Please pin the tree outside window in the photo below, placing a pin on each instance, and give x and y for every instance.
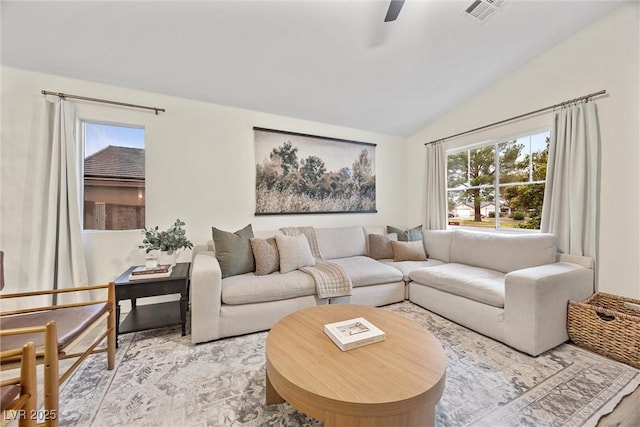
(500, 185)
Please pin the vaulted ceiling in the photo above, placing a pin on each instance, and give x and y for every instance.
(335, 62)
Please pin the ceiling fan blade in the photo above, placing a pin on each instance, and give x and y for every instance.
(394, 10)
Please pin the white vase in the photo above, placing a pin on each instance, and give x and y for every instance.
(151, 261)
(167, 258)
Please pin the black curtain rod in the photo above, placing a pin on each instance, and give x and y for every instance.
(104, 101)
(560, 104)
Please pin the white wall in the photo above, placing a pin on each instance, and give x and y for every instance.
(605, 55)
(199, 167)
(200, 164)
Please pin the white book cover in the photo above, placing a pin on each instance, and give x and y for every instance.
(353, 333)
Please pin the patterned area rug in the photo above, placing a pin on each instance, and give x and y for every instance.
(162, 380)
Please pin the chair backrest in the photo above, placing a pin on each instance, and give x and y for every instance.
(19, 395)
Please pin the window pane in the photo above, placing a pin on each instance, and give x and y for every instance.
(473, 207)
(457, 207)
(474, 178)
(514, 160)
(522, 206)
(539, 155)
(114, 183)
(457, 170)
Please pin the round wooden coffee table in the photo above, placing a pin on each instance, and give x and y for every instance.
(396, 382)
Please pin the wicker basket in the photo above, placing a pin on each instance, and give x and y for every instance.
(606, 325)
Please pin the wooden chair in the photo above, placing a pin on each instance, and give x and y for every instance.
(18, 395)
(55, 331)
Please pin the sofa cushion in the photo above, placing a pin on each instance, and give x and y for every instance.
(437, 243)
(380, 245)
(410, 235)
(265, 253)
(374, 229)
(294, 252)
(365, 271)
(407, 267)
(233, 251)
(249, 288)
(408, 251)
(476, 283)
(341, 242)
(502, 252)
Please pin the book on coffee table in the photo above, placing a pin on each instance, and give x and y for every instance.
(353, 333)
(143, 272)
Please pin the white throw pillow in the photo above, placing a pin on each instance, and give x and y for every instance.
(294, 252)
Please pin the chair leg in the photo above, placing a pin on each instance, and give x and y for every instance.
(51, 377)
(111, 341)
(111, 324)
(29, 385)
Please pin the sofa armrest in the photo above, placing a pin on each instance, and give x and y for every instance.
(206, 297)
(535, 306)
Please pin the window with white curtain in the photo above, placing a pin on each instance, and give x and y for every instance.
(499, 184)
(114, 176)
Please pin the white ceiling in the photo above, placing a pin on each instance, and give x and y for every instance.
(329, 61)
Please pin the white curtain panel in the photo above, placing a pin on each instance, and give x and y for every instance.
(436, 187)
(57, 255)
(570, 201)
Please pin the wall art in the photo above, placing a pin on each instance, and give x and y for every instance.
(307, 174)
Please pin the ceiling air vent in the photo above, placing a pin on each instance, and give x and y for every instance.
(480, 10)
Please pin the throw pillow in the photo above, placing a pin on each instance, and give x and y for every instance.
(233, 251)
(294, 252)
(410, 235)
(265, 253)
(408, 251)
(380, 245)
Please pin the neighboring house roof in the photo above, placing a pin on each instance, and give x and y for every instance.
(463, 205)
(482, 205)
(116, 162)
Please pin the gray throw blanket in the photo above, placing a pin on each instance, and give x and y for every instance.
(331, 280)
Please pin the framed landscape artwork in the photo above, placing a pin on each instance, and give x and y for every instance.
(307, 174)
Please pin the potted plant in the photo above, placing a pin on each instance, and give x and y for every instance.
(169, 241)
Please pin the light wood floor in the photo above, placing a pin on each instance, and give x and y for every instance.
(626, 414)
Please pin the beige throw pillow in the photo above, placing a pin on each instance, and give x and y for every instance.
(380, 245)
(265, 252)
(294, 252)
(408, 251)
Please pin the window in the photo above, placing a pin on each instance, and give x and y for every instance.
(498, 185)
(114, 188)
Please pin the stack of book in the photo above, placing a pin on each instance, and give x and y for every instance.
(156, 272)
(353, 333)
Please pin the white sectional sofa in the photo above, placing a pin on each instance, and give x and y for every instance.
(509, 287)
(248, 303)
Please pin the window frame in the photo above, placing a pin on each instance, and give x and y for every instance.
(81, 144)
(495, 185)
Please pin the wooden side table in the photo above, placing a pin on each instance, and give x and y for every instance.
(158, 315)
